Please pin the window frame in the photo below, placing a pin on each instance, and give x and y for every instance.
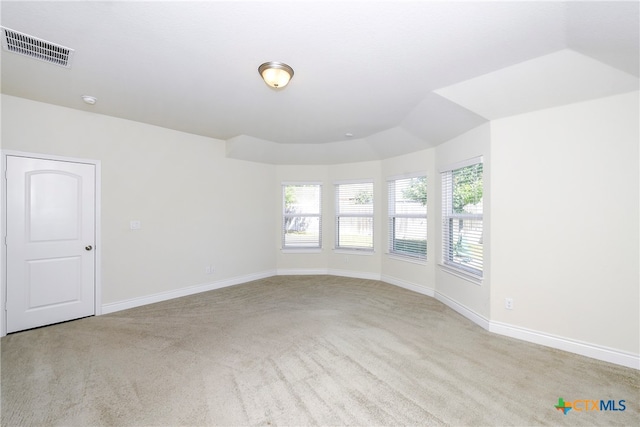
(285, 216)
(449, 217)
(392, 215)
(339, 214)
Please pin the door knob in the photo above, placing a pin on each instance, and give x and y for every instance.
(88, 247)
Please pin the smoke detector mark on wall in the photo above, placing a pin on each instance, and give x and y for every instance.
(24, 44)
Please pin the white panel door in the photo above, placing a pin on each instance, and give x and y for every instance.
(50, 242)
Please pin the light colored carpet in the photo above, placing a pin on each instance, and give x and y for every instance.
(298, 350)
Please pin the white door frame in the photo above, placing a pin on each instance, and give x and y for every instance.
(3, 221)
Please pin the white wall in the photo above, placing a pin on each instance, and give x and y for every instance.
(302, 262)
(348, 263)
(561, 214)
(378, 265)
(413, 275)
(472, 297)
(354, 262)
(197, 207)
(564, 225)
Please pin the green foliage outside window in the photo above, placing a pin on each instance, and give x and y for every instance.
(417, 190)
(467, 187)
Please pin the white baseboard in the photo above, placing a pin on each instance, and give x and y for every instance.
(359, 275)
(573, 346)
(408, 285)
(301, 271)
(594, 351)
(354, 274)
(177, 293)
(476, 318)
(329, 271)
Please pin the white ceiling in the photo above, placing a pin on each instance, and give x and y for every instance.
(399, 75)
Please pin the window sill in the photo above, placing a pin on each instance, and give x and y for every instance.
(413, 260)
(477, 280)
(301, 250)
(354, 251)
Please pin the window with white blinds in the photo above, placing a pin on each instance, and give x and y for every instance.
(462, 238)
(302, 222)
(408, 216)
(354, 215)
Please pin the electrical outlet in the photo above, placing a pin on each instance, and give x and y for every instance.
(208, 269)
(508, 303)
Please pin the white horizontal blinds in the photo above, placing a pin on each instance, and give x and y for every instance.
(462, 191)
(302, 225)
(408, 217)
(354, 216)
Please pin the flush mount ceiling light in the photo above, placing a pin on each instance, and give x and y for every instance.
(88, 99)
(276, 74)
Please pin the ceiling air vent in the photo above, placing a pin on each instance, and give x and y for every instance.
(23, 44)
